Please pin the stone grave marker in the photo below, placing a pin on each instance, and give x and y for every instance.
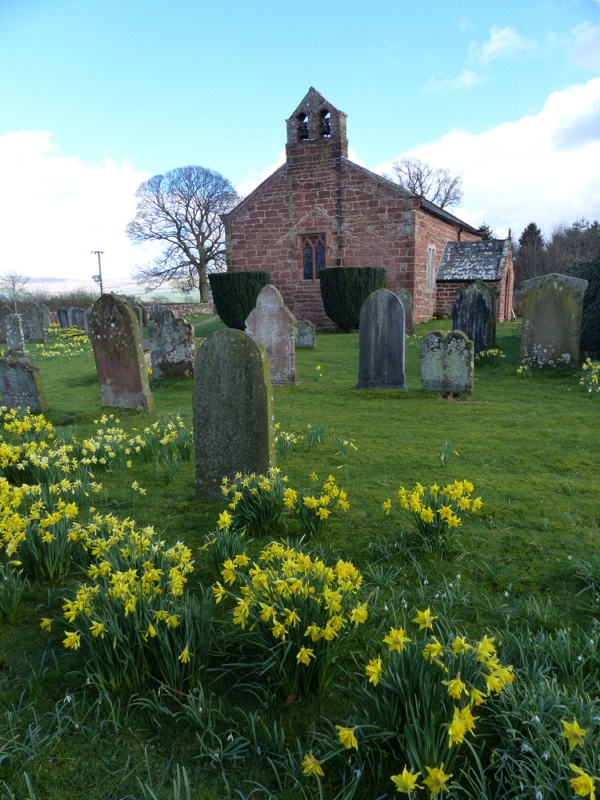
(21, 385)
(46, 314)
(76, 318)
(15, 338)
(381, 342)
(471, 314)
(232, 410)
(5, 311)
(155, 311)
(137, 310)
(172, 346)
(447, 362)
(274, 325)
(33, 324)
(119, 357)
(306, 335)
(408, 305)
(552, 307)
(63, 317)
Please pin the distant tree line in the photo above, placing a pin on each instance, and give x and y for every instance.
(567, 246)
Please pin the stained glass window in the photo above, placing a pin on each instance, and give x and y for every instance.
(313, 255)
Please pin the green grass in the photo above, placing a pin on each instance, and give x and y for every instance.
(529, 445)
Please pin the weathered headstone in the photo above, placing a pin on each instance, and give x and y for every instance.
(15, 338)
(5, 311)
(119, 357)
(155, 311)
(87, 317)
(274, 325)
(139, 314)
(46, 314)
(408, 305)
(63, 317)
(381, 342)
(21, 385)
(552, 306)
(447, 362)
(232, 410)
(33, 323)
(76, 318)
(306, 335)
(471, 314)
(172, 345)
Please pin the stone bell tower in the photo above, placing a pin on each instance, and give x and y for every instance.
(316, 131)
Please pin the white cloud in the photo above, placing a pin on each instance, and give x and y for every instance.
(544, 167)
(55, 209)
(586, 50)
(466, 80)
(503, 43)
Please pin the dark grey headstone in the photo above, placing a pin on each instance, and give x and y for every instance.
(447, 362)
(155, 311)
(21, 385)
(408, 305)
(119, 357)
(33, 323)
(172, 346)
(552, 307)
(381, 342)
(274, 325)
(471, 314)
(232, 410)
(5, 311)
(63, 317)
(15, 338)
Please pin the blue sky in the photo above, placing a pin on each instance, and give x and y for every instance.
(96, 95)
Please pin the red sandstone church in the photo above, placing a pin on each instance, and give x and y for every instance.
(322, 210)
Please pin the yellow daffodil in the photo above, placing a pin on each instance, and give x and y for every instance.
(584, 785)
(396, 639)
(406, 781)
(311, 765)
(374, 670)
(424, 619)
(456, 729)
(347, 737)
(573, 733)
(436, 780)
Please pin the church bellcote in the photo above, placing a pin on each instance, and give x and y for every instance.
(316, 124)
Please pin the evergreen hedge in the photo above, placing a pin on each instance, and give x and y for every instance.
(234, 295)
(589, 270)
(345, 289)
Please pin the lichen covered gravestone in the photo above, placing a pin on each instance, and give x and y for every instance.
(5, 311)
(381, 342)
(232, 410)
(552, 307)
(21, 385)
(33, 324)
(447, 362)
(172, 345)
(46, 315)
(119, 357)
(473, 314)
(274, 325)
(15, 339)
(408, 305)
(306, 335)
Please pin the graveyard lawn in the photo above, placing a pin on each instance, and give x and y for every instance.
(528, 444)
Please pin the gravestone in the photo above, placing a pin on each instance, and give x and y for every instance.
(63, 317)
(88, 314)
(306, 335)
(471, 314)
(274, 325)
(408, 305)
(76, 319)
(447, 362)
(155, 311)
(137, 310)
(381, 342)
(5, 312)
(46, 314)
(552, 306)
(21, 385)
(33, 324)
(172, 345)
(119, 357)
(232, 411)
(15, 339)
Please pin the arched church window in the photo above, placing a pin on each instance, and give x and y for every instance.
(313, 255)
(302, 127)
(325, 124)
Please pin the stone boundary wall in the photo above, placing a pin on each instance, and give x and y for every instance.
(186, 309)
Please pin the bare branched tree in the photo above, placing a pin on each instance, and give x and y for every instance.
(181, 210)
(12, 287)
(436, 184)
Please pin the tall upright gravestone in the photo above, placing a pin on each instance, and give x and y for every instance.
(408, 305)
(447, 362)
(21, 385)
(63, 317)
(232, 404)
(552, 307)
(46, 315)
(119, 357)
(33, 323)
(5, 311)
(274, 325)
(15, 338)
(474, 313)
(172, 344)
(381, 342)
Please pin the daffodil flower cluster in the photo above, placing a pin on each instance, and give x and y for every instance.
(64, 343)
(255, 501)
(315, 509)
(296, 608)
(590, 376)
(489, 357)
(434, 511)
(284, 442)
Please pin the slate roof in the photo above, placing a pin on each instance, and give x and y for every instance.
(467, 261)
